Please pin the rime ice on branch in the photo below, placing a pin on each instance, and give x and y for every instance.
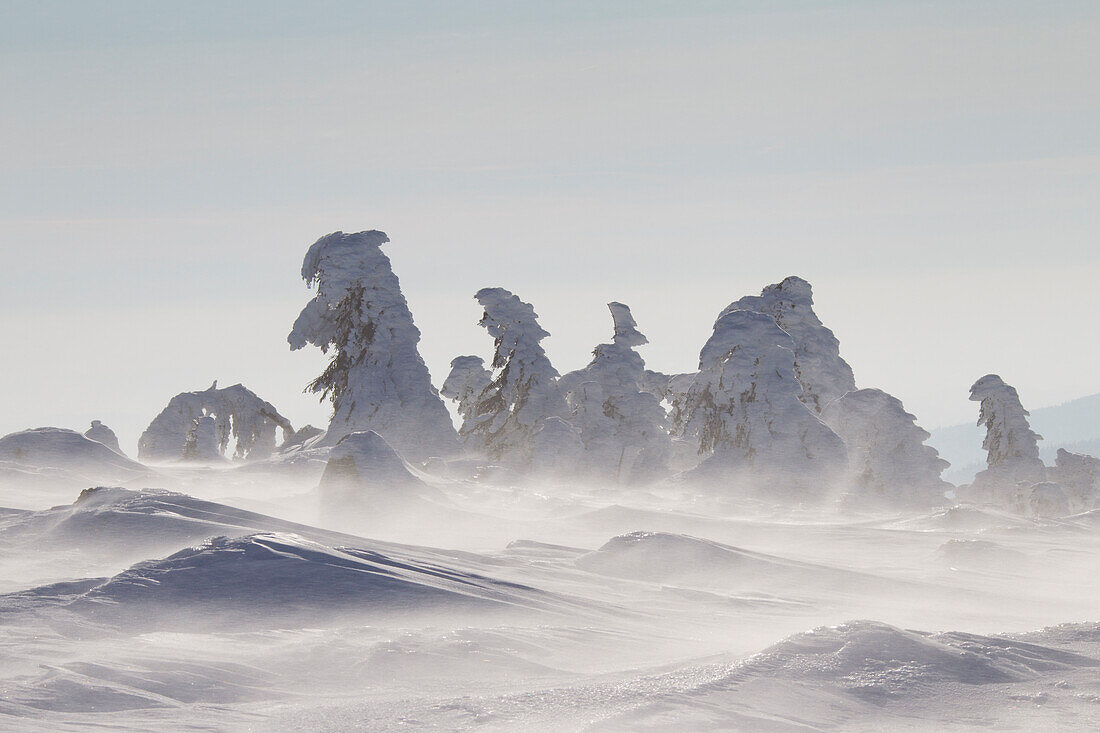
(1011, 445)
(888, 462)
(622, 425)
(236, 412)
(376, 378)
(523, 393)
(744, 409)
(823, 375)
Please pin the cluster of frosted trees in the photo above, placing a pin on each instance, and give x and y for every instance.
(773, 409)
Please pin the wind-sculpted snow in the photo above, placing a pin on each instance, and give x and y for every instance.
(57, 459)
(199, 426)
(679, 559)
(364, 473)
(1079, 477)
(823, 375)
(377, 379)
(888, 462)
(867, 675)
(466, 381)
(270, 579)
(743, 409)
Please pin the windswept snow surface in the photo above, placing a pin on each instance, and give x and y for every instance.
(240, 601)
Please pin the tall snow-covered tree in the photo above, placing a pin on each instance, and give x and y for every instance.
(238, 413)
(1012, 447)
(743, 409)
(823, 375)
(622, 425)
(376, 378)
(523, 394)
(888, 462)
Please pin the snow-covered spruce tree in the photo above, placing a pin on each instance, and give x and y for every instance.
(1079, 477)
(823, 375)
(376, 378)
(103, 434)
(623, 427)
(888, 462)
(466, 381)
(1012, 447)
(202, 441)
(743, 409)
(238, 413)
(523, 394)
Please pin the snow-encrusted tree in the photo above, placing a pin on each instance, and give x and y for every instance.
(103, 434)
(1012, 447)
(1079, 477)
(743, 409)
(622, 425)
(237, 413)
(466, 381)
(376, 378)
(823, 375)
(202, 441)
(523, 393)
(888, 462)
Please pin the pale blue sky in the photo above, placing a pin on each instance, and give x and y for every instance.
(933, 168)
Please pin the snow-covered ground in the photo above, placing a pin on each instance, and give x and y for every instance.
(231, 599)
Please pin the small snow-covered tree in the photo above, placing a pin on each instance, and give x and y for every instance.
(1079, 477)
(823, 375)
(888, 462)
(1012, 447)
(376, 378)
(523, 393)
(103, 434)
(237, 413)
(743, 409)
(202, 441)
(465, 383)
(623, 427)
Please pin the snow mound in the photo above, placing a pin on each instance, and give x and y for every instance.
(134, 524)
(674, 558)
(873, 659)
(363, 467)
(267, 579)
(980, 554)
(867, 675)
(64, 455)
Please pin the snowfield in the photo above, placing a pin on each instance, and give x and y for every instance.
(553, 608)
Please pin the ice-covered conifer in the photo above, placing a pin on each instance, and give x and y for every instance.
(465, 383)
(523, 392)
(623, 427)
(888, 462)
(1079, 477)
(744, 409)
(376, 378)
(1012, 449)
(823, 375)
(103, 434)
(202, 441)
(238, 413)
